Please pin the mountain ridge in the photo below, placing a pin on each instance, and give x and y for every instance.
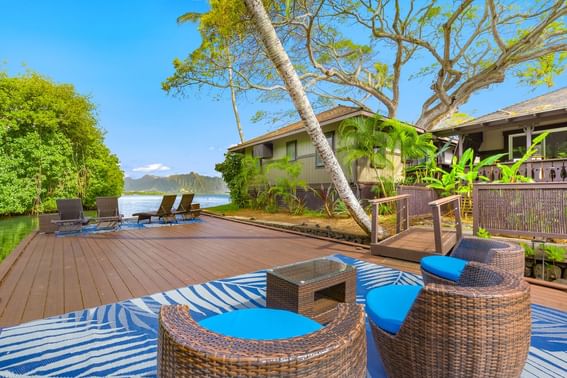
(182, 183)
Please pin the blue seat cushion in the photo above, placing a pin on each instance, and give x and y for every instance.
(260, 324)
(389, 305)
(446, 267)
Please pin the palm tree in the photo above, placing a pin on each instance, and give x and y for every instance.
(405, 140)
(364, 138)
(281, 61)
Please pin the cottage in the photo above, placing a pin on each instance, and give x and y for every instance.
(292, 141)
(511, 131)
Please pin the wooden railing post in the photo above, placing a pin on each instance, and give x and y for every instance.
(436, 212)
(373, 235)
(376, 202)
(475, 209)
(458, 221)
(406, 202)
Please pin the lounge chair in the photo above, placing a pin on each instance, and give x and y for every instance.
(499, 254)
(164, 210)
(184, 207)
(71, 215)
(295, 347)
(108, 214)
(480, 327)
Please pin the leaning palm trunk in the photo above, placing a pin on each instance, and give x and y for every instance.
(281, 61)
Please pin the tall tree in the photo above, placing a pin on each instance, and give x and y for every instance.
(223, 58)
(356, 51)
(277, 54)
(50, 147)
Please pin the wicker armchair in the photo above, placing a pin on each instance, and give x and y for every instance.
(187, 349)
(478, 328)
(500, 254)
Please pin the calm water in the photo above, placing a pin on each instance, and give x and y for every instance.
(14, 229)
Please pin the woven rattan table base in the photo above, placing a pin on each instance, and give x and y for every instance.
(316, 299)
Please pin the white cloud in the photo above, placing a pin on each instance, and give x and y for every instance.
(152, 168)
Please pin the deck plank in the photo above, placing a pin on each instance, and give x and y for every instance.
(53, 275)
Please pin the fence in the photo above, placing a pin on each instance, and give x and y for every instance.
(538, 210)
(419, 198)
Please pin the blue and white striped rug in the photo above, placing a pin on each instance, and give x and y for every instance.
(120, 339)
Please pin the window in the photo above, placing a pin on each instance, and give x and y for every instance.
(291, 150)
(553, 147)
(331, 140)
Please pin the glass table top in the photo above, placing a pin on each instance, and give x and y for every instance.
(310, 271)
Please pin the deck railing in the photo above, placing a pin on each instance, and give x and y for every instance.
(420, 196)
(403, 217)
(538, 210)
(554, 170)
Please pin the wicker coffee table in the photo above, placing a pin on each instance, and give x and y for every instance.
(312, 288)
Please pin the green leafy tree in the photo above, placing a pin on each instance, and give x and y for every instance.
(356, 51)
(51, 147)
(379, 140)
(241, 173)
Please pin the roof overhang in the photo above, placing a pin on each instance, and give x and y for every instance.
(528, 119)
(260, 139)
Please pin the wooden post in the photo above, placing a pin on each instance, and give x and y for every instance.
(406, 203)
(460, 145)
(399, 212)
(436, 210)
(373, 235)
(458, 222)
(475, 209)
(529, 169)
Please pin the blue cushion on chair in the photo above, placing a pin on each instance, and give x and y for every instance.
(260, 324)
(389, 305)
(446, 267)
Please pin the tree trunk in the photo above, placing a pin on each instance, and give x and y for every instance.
(233, 98)
(281, 61)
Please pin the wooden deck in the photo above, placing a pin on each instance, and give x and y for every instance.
(413, 244)
(48, 275)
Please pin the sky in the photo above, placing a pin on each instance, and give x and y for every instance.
(119, 52)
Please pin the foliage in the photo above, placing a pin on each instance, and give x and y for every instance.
(353, 51)
(239, 172)
(554, 253)
(509, 173)
(462, 176)
(426, 167)
(529, 250)
(483, 233)
(50, 147)
(285, 187)
(328, 197)
(378, 140)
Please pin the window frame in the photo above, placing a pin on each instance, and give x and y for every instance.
(318, 161)
(534, 133)
(287, 145)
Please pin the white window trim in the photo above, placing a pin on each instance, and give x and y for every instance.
(512, 136)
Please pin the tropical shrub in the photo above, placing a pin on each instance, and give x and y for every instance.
(51, 147)
(328, 197)
(462, 176)
(483, 233)
(378, 140)
(286, 185)
(555, 253)
(509, 173)
(240, 172)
